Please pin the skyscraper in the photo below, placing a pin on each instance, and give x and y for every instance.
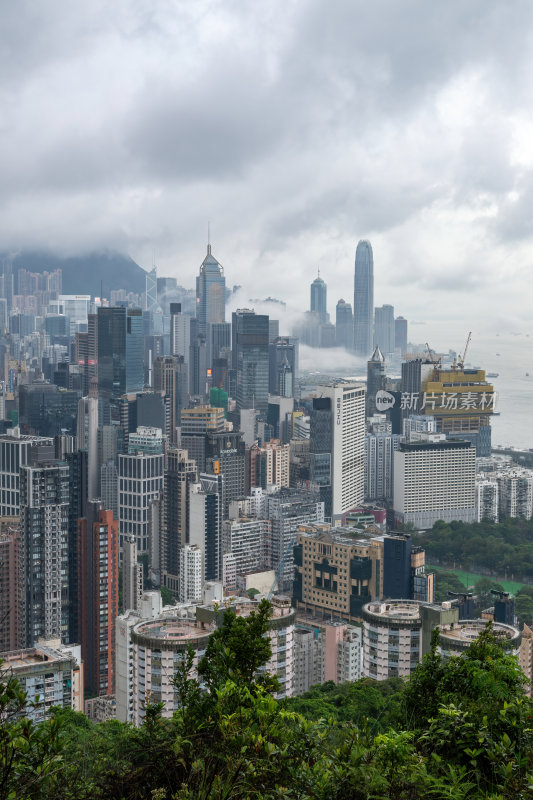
(319, 298)
(210, 292)
(400, 334)
(344, 325)
(44, 507)
(375, 380)
(337, 446)
(363, 298)
(250, 358)
(384, 329)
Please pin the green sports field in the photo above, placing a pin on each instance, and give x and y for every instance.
(471, 578)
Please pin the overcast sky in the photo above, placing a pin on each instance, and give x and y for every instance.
(296, 128)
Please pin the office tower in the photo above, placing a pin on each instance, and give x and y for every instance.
(344, 325)
(487, 499)
(87, 434)
(375, 380)
(134, 350)
(196, 422)
(11, 584)
(397, 567)
(170, 378)
(515, 491)
(44, 509)
(180, 474)
(46, 410)
(225, 456)
(74, 306)
(132, 576)
(205, 520)
(400, 335)
(337, 447)
(250, 358)
(197, 361)
(379, 462)
(17, 451)
(269, 464)
(363, 299)
(279, 417)
(384, 330)
(273, 329)
(98, 597)
(319, 301)
(149, 409)
(190, 572)
(282, 352)
(218, 340)
(140, 480)
(81, 355)
(111, 359)
(180, 332)
(210, 292)
(434, 479)
(150, 295)
(92, 351)
(146, 440)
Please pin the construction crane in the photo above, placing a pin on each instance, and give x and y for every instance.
(434, 361)
(461, 359)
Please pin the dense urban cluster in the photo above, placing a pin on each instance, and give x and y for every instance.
(159, 464)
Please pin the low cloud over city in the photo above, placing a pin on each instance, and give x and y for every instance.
(294, 128)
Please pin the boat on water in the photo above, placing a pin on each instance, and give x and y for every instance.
(493, 374)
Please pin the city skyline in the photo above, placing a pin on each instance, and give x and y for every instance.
(128, 156)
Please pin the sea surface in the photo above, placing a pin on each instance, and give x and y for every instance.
(510, 354)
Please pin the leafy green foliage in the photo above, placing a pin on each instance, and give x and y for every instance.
(459, 729)
(446, 582)
(503, 548)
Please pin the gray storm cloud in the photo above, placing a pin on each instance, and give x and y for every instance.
(296, 128)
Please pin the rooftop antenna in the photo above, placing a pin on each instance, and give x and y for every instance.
(101, 291)
(208, 237)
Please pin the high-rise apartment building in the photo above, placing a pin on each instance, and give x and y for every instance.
(269, 464)
(363, 301)
(379, 465)
(205, 523)
(191, 574)
(250, 358)
(180, 474)
(487, 499)
(98, 597)
(287, 510)
(17, 451)
(44, 519)
(337, 446)
(515, 491)
(11, 584)
(132, 575)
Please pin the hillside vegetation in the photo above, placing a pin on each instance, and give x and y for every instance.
(458, 730)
